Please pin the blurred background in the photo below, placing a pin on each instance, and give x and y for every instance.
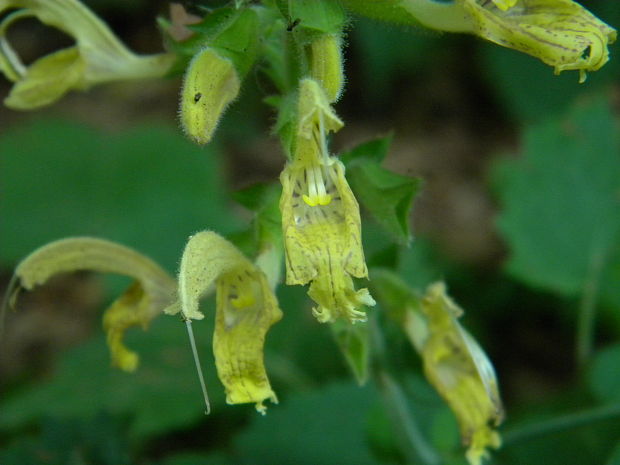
(519, 213)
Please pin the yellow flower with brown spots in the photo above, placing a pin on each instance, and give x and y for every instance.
(320, 216)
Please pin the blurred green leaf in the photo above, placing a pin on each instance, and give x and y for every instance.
(560, 207)
(354, 343)
(162, 395)
(196, 458)
(393, 294)
(144, 188)
(420, 264)
(384, 64)
(615, 456)
(311, 428)
(95, 441)
(604, 374)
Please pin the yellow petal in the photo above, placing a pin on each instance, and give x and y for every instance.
(323, 243)
(130, 309)
(561, 33)
(146, 298)
(246, 309)
(47, 79)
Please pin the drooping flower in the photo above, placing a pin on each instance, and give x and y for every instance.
(320, 216)
(152, 290)
(561, 33)
(246, 307)
(97, 56)
(453, 361)
(458, 368)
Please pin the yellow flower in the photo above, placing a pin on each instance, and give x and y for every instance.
(245, 310)
(460, 371)
(152, 290)
(98, 56)
(561, 33)
(320, 216)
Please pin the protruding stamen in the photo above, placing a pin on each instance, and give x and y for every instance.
(317, 194)
(243, 301)
(188, 324)
(505, 5)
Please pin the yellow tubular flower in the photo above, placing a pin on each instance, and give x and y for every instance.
(245, 310)
(320, 216)
(462, 374)
(98, 56)
(146, 298)
(561, 33)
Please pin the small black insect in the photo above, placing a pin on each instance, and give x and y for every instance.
(197, 97)
(293, 24)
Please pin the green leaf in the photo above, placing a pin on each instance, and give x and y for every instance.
(258, 196)
(239, 41)
(387, 196)
(232, 32)
(421, 264)
(147, 188)
(354, 343)
(560, 211)
(604, 375)
(287, 120)
(321, 426)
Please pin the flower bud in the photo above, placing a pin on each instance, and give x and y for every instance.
(211, 83)
(326, 64)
